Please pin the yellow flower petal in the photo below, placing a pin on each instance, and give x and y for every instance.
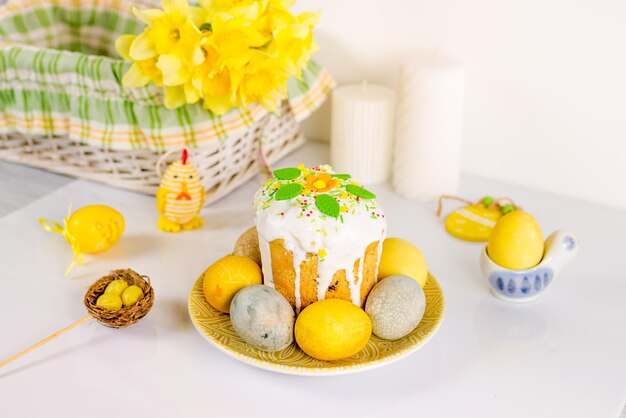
(176, 6)
(192, 95)
(169, 63)
(122, 46)
(148, 15)
(250, 12)
(205, 4)
(198, 15)
(198, 56)
(134, 77)
(309, 18)
(174, 97)
(142, 48)
(171, 66)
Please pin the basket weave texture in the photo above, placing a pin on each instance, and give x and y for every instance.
(126, 315)
(63, 107)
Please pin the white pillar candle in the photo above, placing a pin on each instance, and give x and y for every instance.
(429, 127)
(362, 132)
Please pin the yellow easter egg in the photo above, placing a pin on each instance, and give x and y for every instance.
(131, 295)
(109, 301)
(399, 256)
(332, 329)
(117, 287)
(516, 241)
(473, 223)
(96, 227)
(224, 278)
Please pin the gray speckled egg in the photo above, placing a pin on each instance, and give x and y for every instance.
(262, 317)
(395, 306)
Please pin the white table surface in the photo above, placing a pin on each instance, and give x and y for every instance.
(562, 356)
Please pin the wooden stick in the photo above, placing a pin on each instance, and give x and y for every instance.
(45, 340)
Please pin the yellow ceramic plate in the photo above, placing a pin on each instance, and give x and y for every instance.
(215, 327)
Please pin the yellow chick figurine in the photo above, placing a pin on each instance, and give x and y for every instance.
(180, 197)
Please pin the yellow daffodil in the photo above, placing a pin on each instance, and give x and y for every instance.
(263, 83)
(225, 53)
(172, 36)
(235, 39)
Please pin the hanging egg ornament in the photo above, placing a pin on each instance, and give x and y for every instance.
(96, 228)
(180, 197)
(475, 221)
(91, 229)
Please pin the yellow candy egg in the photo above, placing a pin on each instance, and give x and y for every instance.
(516, 241)
(226, 277)
(332, 329)
(116, 287)
(96, 227)
(131, 295)
(109, 301)
(401, 257)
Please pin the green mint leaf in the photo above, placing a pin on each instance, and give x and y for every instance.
(359, 191)
(288, 173)
(288, 191)
(327, 205)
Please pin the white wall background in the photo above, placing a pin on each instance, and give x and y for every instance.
(546, 81)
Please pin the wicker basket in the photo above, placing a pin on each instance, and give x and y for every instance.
(122, 148)
(223, 165)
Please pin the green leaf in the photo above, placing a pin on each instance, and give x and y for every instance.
(288, 173)
(342, 176)
(327, 205)
(288, 191)
(359, 191)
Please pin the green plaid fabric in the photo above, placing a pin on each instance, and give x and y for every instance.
(58, 77)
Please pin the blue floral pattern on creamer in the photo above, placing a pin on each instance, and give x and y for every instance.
(523, 284)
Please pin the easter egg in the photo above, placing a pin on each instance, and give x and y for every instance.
(116, 287)
(109, 301)
(516, 241)
(263, 318)
(248, 245)
(95, 228)
(131, 295)
(473, 223)
(401, 257)
(332, 329)
(395, 306)
(224, 278)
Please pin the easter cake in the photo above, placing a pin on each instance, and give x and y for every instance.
(320, 236)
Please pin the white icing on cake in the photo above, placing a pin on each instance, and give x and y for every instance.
(338, 241)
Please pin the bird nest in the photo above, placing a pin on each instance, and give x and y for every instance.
(126, 315)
